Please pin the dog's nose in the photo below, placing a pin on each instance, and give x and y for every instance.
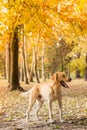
(70, 79)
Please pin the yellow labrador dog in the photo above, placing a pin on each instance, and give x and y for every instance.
(47, 91)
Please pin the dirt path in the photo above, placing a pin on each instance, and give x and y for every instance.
(13, 108)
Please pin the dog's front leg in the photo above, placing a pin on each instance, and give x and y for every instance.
(50, 111)
(60, 107)
(27, 114)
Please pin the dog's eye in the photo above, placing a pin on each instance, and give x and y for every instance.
(63, 76)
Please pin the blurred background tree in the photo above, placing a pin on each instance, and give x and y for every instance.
(41, 37)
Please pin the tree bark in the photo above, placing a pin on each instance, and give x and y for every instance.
(78, 71)
(8, 61)
(32, 70)
(78, 74)
(85, 71)
(43, 76)
(68, 71)
(14, 78)
(21, 76)
(24, 59)
(62, 69)
(35, 65)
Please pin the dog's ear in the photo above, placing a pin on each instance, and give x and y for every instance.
(55, 77)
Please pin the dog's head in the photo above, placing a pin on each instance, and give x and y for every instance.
(61, 78)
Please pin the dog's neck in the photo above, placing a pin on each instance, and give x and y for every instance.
(56, 88)
(56, 85)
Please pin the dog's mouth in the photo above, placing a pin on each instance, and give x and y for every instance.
(64, 84)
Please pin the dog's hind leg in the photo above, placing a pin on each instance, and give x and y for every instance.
(31, 103)
(39, 105)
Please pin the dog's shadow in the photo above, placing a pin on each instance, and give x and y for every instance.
(56, 124)
(74, 121)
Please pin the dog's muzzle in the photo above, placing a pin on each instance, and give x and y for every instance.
(64, 84)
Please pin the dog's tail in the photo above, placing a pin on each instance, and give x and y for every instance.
(25, 94)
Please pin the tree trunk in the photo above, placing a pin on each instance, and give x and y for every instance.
(21, 73)
(69, 71)
(85, 71)
(35, 65)
(78, 74)
(24, 65)
(32, 70)
(8, 61)
(43, 77)
(24, 59)
(77, 69)
(62, 69)
(85, 74)
(4, 68)
(21, 77)
(14, 79)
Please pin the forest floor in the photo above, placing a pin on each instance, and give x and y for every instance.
(13, 108)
